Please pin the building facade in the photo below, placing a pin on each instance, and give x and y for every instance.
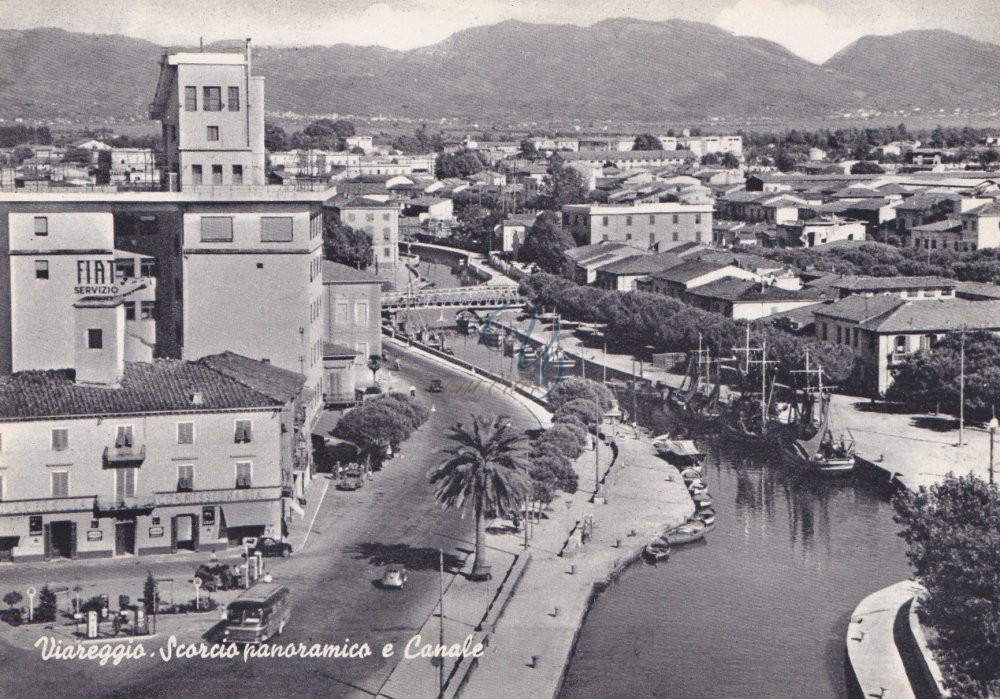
(644, 225)
(352, 329)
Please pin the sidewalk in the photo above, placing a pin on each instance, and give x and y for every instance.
(871, 645)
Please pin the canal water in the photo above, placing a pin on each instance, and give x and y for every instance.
(761, 608)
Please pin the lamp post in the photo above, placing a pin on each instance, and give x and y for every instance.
(961, 393)
(993, 425)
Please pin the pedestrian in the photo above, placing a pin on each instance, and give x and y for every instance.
(213, 558)
(413, 391)
(268, 578)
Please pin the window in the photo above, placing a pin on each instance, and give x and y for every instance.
(185, 478)
(213, 133)
(276, 229)
(604, 220)
(216, 174)
(385, 217)
(212, 97)
(190, 99)
(237, 174)
(386, 234)
(216, 229)
(244, 431)
(60, 438)
(926, 342)
(185, 433)
(41, 225)
(244, 474)
(675, 236)
(697, 236)
(124, 483)
(123, 437)
(676, 218)
(628, 220)
(900, 343)
(652, 238)
(60, 484)
(95, 338)
(147, 310)
(386, 252)
(234, 99)
(125, 268)
(697, 218)
(41, 269)
(361, 312)
(824, 328)
(147, 267)
(129, 310)
(839, 337)
(628, 236)
(341, 312)
(196, 174)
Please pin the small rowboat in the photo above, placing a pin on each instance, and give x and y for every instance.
(702, 500)
(657, 550)
(707, 516)
(687, 533)
(697, 487)
(680, 452)
(691, 473)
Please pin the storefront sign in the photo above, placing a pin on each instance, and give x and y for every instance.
(155, 532)
(35, 525)
(208, 516)
(95, 278)
(94, 535)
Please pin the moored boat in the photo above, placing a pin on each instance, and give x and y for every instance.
(687, 533)
(679, 452)
(707, 516)
(815, 447)
(657, 550)
(702, 500)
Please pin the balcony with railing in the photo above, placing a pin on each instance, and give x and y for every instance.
(125, 456)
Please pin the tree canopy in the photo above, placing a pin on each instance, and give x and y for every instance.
(565, 186)
(346, 245)
(459, 164)
(951, 530)
(544, 244)
(645, 141)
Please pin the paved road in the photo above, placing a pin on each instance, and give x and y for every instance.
(392, 519)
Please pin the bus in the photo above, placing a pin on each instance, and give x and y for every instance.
(258, 614)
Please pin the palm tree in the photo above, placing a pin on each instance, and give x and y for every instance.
(485, 467)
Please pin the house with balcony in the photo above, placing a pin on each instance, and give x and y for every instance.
(115, 459)
(884, 330)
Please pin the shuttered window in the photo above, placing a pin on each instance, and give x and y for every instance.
(60, 484)
(244, 474)
(185, 433)
(123, 438)
(60, 439)
(217, 229)
(244, 431)
(276, 229)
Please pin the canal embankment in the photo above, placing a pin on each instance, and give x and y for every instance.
(529, 619)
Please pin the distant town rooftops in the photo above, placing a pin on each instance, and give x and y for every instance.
(226, 381)
(616, 155)
(642, 264)
(688, 271)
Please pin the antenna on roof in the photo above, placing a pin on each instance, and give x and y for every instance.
(201, 44)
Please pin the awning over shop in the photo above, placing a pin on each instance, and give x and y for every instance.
(251, 514)
(325, 423)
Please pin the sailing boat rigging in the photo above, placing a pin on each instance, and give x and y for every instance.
(816, 446)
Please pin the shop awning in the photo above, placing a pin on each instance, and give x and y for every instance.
(251, 514)
(325, 423)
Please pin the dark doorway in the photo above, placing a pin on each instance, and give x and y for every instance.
(7, 545)
(125, 538)
(62, 540)
(186, 532)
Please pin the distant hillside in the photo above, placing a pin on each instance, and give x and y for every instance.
(618, 68)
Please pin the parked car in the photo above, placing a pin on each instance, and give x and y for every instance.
(394, 577)
(351, 480)
(437, 386)
(269, 546)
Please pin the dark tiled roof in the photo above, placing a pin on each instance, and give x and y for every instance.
(166, 385)
(990, 209)
(688, 271)
(978, 290)
(262, 377)
(939, 315)
(939, 226)
(366, 203)
(593, 249)
(880, 283)
(727, 289)
(336, 273)
(858, 309)
(642, 264)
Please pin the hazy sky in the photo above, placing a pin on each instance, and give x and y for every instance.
(814, 29)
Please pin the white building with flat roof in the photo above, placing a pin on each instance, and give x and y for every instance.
(645, 225)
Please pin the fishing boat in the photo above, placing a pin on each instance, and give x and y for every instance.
(529, 354)
(679, 452)
(696, 487)
(467, 321)
(814, 445)
(753, 417)
(492, 336)
(691, 474)
(687, 533)
(657, 550)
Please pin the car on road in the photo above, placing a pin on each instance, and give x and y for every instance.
(437, 386)
(351, 480)
(394, 577)
(269, 546)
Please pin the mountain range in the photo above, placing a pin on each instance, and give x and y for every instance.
(615, 69)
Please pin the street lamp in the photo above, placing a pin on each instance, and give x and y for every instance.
(993, 425)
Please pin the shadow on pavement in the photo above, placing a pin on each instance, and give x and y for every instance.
(935, 424)
(403, 554)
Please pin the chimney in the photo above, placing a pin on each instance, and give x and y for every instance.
(99, 340)
(197, 398)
